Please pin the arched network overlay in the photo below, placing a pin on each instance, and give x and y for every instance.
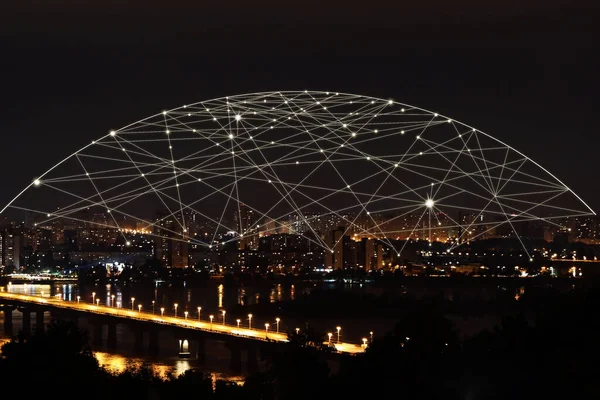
(302, 162)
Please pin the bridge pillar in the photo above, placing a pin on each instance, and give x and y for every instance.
(39, 320)
(184, 348)
(8, 322)
(111, 340)
(153, 342)
(201, 351)
(26, 328)
(138, 339)
(97, 334)
(235, 361)
(252, 360)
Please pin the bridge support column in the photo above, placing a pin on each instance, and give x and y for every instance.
(235, 361)
(201, 351)
(111, 340)
(138, 340)
(97, 334)
(8, 322)
(26, 328)
(153, 342)
(252, 360)
(184, 348)
(39, 321)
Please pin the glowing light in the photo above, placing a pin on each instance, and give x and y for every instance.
(37, 182)
(429, 203)
(113, 133)
(238, 117)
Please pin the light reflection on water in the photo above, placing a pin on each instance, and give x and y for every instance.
(117, 363)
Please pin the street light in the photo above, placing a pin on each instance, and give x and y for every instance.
(238, 322)
(139, 308)
(297, 331)
(277, 322)
(199, 309)
(211, 318)
(223, 316)
(249, 321)
(132, 301)
(153, 303)
(162, 311)
(339, 328)
(266, 330)
(371, 333)
(364, 342)
(98, 302)
(93, 297)
(78, 297)
(118, 304)
(176, 309)
(112, 302)
(329, 335)
(185, 313)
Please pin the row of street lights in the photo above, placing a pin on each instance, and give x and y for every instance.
(186, 313)
(211, 317)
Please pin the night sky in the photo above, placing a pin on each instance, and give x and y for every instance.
(526, 74)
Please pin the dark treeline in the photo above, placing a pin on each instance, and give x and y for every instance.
(551, 352)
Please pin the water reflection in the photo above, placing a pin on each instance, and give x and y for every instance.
(117, 363)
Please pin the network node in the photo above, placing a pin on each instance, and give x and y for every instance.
(429, 203)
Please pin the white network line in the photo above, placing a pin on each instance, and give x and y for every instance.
(372, 165)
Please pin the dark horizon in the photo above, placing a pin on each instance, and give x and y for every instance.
(526, 74)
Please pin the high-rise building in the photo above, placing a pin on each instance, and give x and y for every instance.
(171, 241)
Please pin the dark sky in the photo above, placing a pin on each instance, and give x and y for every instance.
(525, 73)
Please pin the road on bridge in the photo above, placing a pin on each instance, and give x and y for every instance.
(214, 326)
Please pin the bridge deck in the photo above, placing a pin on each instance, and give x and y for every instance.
(214, 327)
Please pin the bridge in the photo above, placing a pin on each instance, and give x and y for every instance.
(236, 337)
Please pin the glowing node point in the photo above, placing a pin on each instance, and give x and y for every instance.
(164, 113)
(429, 203)
(418, 137)
(435, 115)
(353, 134)
(113, 133)
(37, 182)
(321, 150)
(449, 121)
(402, 109)
(420, 153)
(238, 117)
(345, 125)
(269, 181)
(390, 102)
(368, 158)
(199, 180)
(376, 131)
(214, 118)
(272, 142)
(402, 132)
(231, 136)
(167, 131)
(395, 165)
(297, 162)
(128, 243)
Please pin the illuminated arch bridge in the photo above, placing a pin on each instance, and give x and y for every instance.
(238, 168)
